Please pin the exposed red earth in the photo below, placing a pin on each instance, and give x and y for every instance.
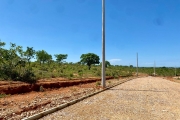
(23, 99)
(7, 87)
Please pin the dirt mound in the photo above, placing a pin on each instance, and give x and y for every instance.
(19, 87)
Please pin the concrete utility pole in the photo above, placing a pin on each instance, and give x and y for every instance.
(154, 68)
(137, 65)
(103, 79)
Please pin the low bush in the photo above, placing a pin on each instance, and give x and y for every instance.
(98, 83)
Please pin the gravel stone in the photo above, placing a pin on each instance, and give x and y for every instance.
(149, 98)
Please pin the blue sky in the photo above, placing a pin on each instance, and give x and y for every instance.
(73, 27)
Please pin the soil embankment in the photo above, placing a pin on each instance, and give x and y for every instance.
(20, 87)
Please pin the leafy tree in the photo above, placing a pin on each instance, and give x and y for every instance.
(13, 64)
(42, 56)
(131, 66)
(2, 44)
(89, 59)
(49, 59)
(11, 55)
(60, 57)
(107, 64)
(29, 53)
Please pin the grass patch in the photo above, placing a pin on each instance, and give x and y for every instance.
(3, 95)
(98, 83)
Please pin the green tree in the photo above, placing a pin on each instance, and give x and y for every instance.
(12, 62)
(60, 57)
(131, 66)
(2, 44)
(42, 56)
(89, 59)
(29, 53)
(49, 59)
(107, 64)
(11, 55)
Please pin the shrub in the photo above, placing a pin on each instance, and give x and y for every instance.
(80, 73)
(53, 76)
(2, 95)
(98, 83)
(115, 74)
(37, 77)
(71, 75)
(108, 74)
(95, 69)
(98, 73)
(41, 88)
(28, 76)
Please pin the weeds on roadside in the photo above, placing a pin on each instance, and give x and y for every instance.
(3, 95)
(41, 88)
(98, 83)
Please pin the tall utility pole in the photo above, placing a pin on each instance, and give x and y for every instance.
(175, 71)
(103, 79)
(154, 68)
(137, 65)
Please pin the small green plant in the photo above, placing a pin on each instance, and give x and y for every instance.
(95, 69)
(98, 83)
(108, 74)
(41, 88)
(98, 73)
(38, 77)
(71, 75)
(3, 95)
(53, 76)
(80, 73)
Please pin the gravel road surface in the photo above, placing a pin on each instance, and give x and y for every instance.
(149, 98)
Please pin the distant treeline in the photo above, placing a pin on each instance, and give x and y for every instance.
(16, 64)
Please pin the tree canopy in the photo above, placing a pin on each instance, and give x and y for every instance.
(29, 53)
(107, 64)
(89, 59)
(43, 56)
(60, 57)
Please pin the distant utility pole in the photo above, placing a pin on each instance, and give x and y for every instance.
(103, 79)
(137, 65)
(154, 68)
(175, 71)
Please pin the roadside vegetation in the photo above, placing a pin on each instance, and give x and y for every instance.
(161, 71)
(30, 65)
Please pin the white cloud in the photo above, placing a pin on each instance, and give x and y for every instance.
(114, 61)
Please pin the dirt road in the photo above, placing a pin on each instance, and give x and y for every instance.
(147, 98)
